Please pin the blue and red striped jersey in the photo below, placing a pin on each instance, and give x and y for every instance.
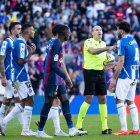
(53, 75)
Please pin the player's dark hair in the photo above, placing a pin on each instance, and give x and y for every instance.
(124, 26)
(59, 29)
(26, 26)
(12, 25)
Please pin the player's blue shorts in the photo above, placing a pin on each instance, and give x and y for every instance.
(55, 90)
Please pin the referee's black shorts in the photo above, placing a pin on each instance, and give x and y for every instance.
(95, 82)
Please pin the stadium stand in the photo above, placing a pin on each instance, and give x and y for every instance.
(80, 16)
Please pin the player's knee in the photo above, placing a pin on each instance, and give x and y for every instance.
(23, 102)
(102, 99)
(17, 100)
(56, 103)
(129, 102)
(49, 99)
(89, 99)
(119, 101)
(63, 97)
(6, 101)
(65, 106)
(30, 101)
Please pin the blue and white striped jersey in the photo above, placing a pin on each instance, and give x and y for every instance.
(129, 49)
(6, 50)
(20, 51)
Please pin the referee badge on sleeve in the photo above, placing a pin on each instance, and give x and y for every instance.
(56, 57)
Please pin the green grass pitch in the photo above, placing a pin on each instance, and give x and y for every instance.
(91, 123)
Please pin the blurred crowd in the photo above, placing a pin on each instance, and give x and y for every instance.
(80, 16)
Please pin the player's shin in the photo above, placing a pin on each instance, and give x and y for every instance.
(103, 115)
(122, 116)
(44, 115)
(67, 113)
(134, 116)
(20, 116)
(82, 114)
(27, 117)
(3, 110)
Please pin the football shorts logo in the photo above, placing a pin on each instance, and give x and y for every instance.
(30, 90)
(56, 57)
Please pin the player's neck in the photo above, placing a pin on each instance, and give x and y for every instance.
(26, 37)
(59, 38)
(97, 39)
(125, 34)
(13, 37)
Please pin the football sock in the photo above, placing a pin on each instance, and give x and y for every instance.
(3, 110)
(44, 115)
(67, 113)
(14, 112)
(27, 117)
(20, 116)
(49, 115)
(122, 116)
(83, 110)
(103, 115)
(55, 118)
(134, 116)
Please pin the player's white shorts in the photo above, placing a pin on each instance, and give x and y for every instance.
(10, 91)
(126, 89)
(24, 89)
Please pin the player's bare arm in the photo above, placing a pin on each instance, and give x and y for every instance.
(118, 69)
(119, 66)
(2, 71)
(67, 80)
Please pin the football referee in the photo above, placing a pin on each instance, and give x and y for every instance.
(95, 84)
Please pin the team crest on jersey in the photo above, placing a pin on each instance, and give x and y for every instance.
(56, 57)
(48, 47)
(15, 91)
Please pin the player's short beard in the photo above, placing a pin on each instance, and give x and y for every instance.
(65, 38)
(119, 36)
(17, 35)
(31, 37)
